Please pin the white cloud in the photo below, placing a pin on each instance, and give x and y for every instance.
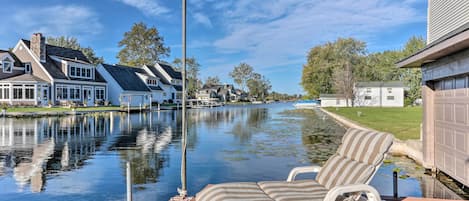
(148, 7)
(202, 19)
(277, 33)
(56, 20)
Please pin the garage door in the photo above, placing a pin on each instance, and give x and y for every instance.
(452, 128)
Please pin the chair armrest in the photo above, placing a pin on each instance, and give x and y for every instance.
(371, 193)
(300, 170)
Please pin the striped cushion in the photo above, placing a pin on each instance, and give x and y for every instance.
(341, 171)
(301, 190)
(241, 191)
(360, 152)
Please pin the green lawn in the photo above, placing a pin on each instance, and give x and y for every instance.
(404, 123)
(58, 109)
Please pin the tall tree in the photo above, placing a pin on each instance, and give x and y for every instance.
(259, 86)
(413, 77)
(333, 67)
(71, 42)
(241, 74)
(142, 45)
(193, 69)
(210, 81)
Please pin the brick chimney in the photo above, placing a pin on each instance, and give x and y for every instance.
(38, 46)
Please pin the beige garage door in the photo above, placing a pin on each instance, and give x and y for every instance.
(452, 129)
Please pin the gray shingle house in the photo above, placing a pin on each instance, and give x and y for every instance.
(35, 73)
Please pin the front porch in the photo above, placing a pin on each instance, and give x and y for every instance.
(24, 90)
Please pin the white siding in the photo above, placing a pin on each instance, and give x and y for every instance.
(334, 102)
(114, 89)
(378, 97)
(445, 16)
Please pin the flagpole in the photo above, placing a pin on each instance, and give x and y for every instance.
(183, 190)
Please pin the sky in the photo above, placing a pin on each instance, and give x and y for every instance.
(273, 36)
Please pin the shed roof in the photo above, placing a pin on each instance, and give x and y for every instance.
(450, 43)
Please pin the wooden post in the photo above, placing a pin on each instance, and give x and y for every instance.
(428, 136)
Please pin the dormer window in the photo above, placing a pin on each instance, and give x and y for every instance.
(152, 82)
(7, 65)
(80, 71)
(27, 67)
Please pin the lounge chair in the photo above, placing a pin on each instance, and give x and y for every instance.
(348, 171)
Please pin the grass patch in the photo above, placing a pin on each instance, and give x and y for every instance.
(404, 123)
(59, 109)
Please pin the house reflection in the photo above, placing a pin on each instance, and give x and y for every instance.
(32, 148)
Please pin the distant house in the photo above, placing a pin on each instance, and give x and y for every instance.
(35, 73)
(127, 85)
(222, 92)
(445, 68)
(168, 92)
(333, 100)
(369, 94)
(171, 77)
(379, 94)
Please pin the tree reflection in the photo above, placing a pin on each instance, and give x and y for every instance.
(320, 135)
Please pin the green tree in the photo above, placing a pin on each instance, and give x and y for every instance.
(259, 86)
(413, 77)
(71, 42)
(333, 67)
(142, 45)
(192, 69)
(210, 81)
(241, 74)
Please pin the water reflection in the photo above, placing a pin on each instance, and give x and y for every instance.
(83, 157)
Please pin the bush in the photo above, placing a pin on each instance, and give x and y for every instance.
(408, 102)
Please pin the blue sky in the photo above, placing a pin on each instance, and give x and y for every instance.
(273, 36)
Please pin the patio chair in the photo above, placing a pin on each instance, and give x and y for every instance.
(348, 171)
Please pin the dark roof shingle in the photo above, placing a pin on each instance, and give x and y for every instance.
(126, 77)
(170, 70)
(159, 75)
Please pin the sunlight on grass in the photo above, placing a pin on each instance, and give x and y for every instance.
(404, 123)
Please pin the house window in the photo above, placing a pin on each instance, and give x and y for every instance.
(29, 91)
(368, 90)
(72, 71)
(389, 90)
(367, 97)
(75, 92)
(27, 67)
(62, 92)
(7, 66)
(390, 97)
(6, 91)
(99, 93)
(81, 72)
(17, 91)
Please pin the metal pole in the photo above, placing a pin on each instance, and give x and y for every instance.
(183, 190)
(129, 182)
(395, 189)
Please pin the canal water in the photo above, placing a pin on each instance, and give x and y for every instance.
(83, 157)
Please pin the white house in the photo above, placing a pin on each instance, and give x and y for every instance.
(36, 73)
(171, 80)
(333, 100)
(379, 94)
(125, 85)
